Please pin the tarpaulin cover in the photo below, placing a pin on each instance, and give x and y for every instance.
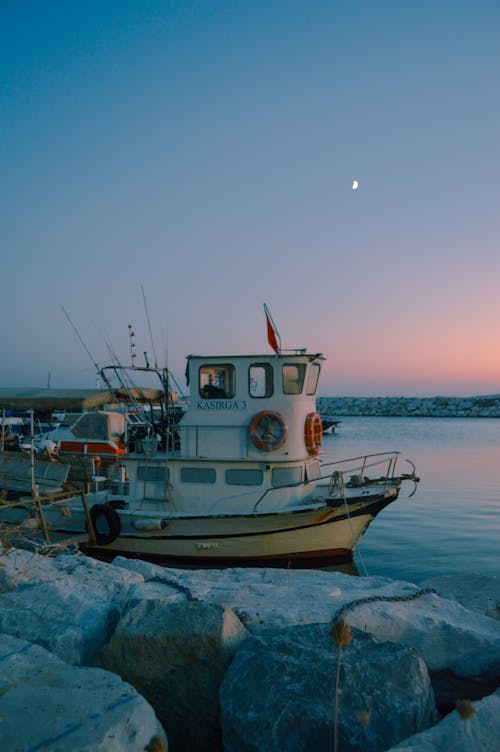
(32, 398)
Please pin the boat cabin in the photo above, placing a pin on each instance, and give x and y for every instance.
(247, 407)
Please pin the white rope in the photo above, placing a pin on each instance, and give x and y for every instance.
(337, 489)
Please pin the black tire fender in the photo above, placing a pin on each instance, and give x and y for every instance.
(102, 516)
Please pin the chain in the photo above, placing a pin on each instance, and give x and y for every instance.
(173, 584)
(374, 598)
(338, 614)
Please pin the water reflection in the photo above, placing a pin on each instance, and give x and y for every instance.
(452, 524)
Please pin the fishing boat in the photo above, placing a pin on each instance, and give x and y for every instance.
(244, 482)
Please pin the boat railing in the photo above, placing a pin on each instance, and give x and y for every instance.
(349, 471)
(360, 465)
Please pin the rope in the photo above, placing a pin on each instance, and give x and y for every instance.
(337, 489)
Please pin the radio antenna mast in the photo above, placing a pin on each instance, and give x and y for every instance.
(149, 327)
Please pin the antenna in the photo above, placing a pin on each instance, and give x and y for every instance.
(149, 327)
(131, 335)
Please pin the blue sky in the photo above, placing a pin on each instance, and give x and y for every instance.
(204, 153)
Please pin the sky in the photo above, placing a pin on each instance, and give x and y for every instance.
(174, 165)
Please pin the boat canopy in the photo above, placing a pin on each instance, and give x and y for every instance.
(33, 398)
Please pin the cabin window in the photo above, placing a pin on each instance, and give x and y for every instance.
(260, 380)
(151, 473)
(217, 381)
(312, 378)
(293, 378)
(91, 426)
(198, 475)
(244, 477)
(286, 476)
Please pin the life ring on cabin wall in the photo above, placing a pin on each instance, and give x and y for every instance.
(267, 431)
(313, 433)
(103, 516)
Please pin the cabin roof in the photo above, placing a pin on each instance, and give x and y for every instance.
(284, 354)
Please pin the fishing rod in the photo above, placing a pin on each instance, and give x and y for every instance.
(99, 370)
(149, 326)
(165, 373)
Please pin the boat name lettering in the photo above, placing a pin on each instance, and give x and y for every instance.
(221, 404)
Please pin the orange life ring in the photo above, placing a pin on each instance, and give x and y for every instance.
(313, 433)
(267, 431)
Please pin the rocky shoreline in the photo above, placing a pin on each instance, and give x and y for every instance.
(122, 657)
(486, 406)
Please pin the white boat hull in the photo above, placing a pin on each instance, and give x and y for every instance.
(321, 531)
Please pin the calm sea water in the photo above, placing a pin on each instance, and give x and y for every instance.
(452, 523)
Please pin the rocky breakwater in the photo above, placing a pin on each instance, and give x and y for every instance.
(423, 407)
(124, 656)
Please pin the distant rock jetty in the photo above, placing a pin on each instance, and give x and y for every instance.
(486, 406)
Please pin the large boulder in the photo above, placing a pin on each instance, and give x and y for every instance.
(47, 704)
(279, 693)
(478, 592)
(461, 648)
(69, 604)
(461, 731)
(264, 598)
(176, 655)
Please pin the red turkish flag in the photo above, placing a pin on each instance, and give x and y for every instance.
(271, 335)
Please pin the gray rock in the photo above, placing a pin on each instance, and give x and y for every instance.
(176, 655)
(477, 592)
(69, 604)
(279, 693)
(479, 733)
(461, 648)
(264, 598)
(48, 705)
